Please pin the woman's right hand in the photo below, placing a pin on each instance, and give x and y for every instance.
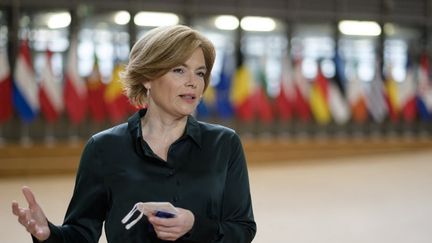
(32, 218)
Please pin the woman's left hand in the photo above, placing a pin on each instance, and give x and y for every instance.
(173, 228)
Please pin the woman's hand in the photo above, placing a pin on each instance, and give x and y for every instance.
(173, 228)
(32, 218)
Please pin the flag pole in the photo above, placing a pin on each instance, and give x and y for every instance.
(2, 138)
(25, 140)
(73, 135)
(49, 134)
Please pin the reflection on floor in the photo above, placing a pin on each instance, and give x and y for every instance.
(374, 199)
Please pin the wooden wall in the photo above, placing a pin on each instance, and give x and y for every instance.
(40, 159)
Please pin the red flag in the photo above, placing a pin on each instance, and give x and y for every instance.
(407, 96)
(50, 97)
(245, 109)
(5, 88)
(283, 101)
(75, 93)
(96, 90)
(283, 104)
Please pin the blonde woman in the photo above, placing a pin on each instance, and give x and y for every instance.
(162, 155)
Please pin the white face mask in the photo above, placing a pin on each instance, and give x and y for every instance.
(137, 206)
(147, 209)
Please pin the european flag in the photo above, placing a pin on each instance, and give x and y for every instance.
(25, 89)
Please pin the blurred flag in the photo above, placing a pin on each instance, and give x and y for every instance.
(25, 89)
(356, 99)
(374, 93)
(50, 95)
(206, 105)
(318, 99)
(262, 102)
(301, 94)
(202, 111)
(338, 105)
(75, 92)
(241, 93)
(407, 95)
(391, 96)
(5, 87)
(283, 102)
(117, 104)
(223, 102)
(95, 91)
(424, 89)
(340, 78)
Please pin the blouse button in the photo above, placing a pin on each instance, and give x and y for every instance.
(171, 173)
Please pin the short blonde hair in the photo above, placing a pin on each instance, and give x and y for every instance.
(158, 51)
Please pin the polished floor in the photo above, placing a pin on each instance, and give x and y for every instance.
(367, 199)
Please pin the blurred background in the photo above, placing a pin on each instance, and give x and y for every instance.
(332, 98)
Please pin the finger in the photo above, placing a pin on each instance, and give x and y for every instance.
(168, 222)
(15, 208)
(18, 211)
(28, 194)
(162, 229)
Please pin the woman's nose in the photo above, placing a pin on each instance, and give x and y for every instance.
(192, 82)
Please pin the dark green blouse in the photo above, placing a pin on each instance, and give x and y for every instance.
(205, 172)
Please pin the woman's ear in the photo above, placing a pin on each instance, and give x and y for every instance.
(147, 85)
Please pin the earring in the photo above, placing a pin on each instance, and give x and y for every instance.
(148, 92)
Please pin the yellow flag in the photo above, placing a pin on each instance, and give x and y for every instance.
(319, 106)
(392, 92)
(241, 88)
(209, 95)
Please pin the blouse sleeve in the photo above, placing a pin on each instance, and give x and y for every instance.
(237, 223)
(86, 212)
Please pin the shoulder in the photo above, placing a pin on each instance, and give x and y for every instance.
(116, 133)
(215, 128)
(217, 131)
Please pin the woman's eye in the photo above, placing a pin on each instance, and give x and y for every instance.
(201, 74)
(178, 70)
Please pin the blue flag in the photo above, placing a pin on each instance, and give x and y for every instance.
(224, 107)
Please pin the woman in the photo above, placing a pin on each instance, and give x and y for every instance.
(162, 154)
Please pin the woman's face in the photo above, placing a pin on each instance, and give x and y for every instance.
(179, 91)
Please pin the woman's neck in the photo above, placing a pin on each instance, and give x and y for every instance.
(160, 131)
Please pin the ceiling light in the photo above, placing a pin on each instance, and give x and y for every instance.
(155, 19)
(122, 17)
(257, 24)
(359, 28)
(59, 20)
(226, 22)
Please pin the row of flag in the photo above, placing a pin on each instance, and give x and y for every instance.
(242, 95)
(78, 97)
(322, 100)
